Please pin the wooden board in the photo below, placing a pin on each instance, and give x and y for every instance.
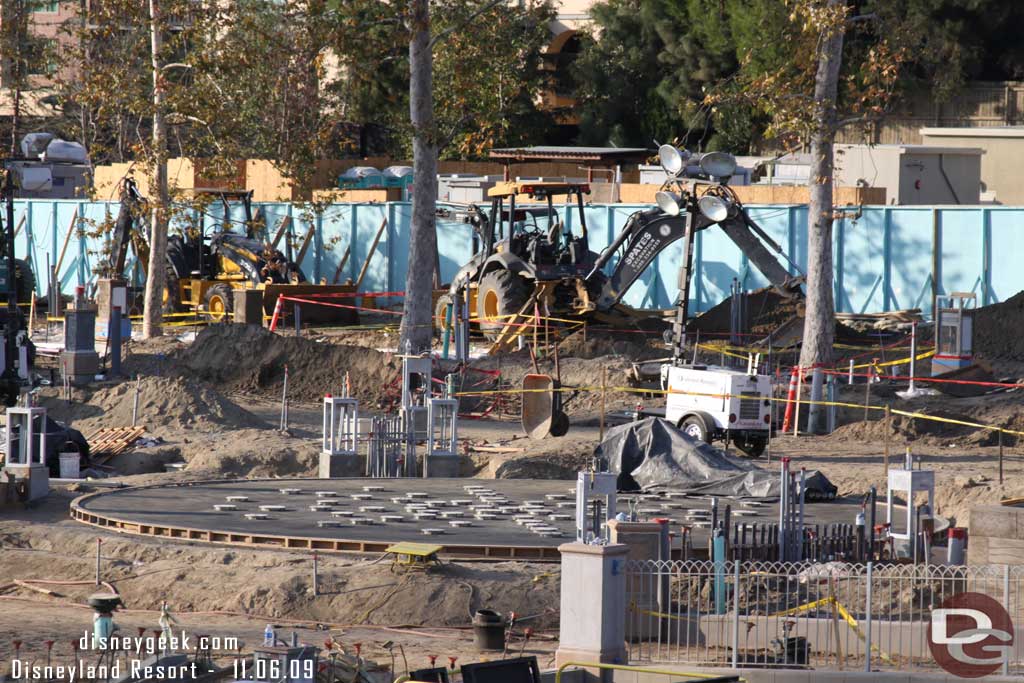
(106, 443)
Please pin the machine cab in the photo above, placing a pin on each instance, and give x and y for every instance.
(534, 232)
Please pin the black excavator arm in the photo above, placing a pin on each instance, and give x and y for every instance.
(125, 231)
(647, 233)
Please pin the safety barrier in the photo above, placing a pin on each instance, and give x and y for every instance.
(835, 615)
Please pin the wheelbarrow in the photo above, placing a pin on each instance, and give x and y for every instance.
(543, 409)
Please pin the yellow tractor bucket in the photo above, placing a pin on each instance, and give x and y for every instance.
(538, 405)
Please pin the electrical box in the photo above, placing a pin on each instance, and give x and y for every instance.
(954, 325)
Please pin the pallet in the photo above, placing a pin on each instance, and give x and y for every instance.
(104, 444)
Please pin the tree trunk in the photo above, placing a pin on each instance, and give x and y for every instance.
(153, 303)
(820, 319)
(418, 311)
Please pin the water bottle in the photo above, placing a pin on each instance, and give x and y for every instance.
(268, 636)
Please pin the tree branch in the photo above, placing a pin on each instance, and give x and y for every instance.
(451, 29)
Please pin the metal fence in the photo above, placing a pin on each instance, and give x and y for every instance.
(796, 615)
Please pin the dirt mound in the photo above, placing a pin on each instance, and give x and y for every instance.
(166, 405)
(767, 311)
(997, 330)
(256, 453)
(629, 344)
(248, 358)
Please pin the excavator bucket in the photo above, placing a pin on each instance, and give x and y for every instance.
(538, 405)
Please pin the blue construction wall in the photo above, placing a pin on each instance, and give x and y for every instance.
(885, 259)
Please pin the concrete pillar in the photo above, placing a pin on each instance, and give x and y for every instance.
(110, 293)
(646, 541)
(79, 360)
(593, 605)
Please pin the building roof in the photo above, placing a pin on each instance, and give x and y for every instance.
(578, 154)
(994, 132)
(914, 149)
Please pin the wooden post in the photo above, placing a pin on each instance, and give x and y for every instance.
(867, 395)
(1000, 456)
(888, 428)
(835, 623)
(604, 383)
(799, 388)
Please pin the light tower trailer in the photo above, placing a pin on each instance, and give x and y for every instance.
(710, 402)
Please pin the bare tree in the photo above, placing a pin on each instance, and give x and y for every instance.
(417, 310)
(820, 316)
(152, 312)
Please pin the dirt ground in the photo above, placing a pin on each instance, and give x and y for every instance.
(214, 405)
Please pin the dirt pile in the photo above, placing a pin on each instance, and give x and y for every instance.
(629, 344)
(767, 311)
(997, 330)
(166, 405)
(254, 453)
(252, 359)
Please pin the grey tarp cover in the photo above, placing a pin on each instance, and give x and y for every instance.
(651, 453)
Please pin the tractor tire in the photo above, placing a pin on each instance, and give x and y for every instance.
(440, 313)
(219, 302)
(501, 294)
(695, 427)
(24, 281)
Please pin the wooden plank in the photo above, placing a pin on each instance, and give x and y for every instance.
(67, 240)
(282, 228)
(305, 244)
(341, 265)
(369, 254)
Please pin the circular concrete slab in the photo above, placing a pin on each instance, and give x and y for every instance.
(187, 512)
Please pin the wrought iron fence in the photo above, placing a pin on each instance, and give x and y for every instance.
(805, 615)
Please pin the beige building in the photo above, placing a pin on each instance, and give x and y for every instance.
(1001, 163)
(44, 26)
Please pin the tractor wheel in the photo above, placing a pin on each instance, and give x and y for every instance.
(559, 424)
(171, 299)
(219, 302)
(694, 427)
(24, 281)
(440, 313)
(501, 295)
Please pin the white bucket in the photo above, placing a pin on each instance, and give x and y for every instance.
(69, 465)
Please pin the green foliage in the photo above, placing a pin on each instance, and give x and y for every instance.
(489, 76)
(650, 70)
(617, 76)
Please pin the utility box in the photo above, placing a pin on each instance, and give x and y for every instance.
(111, 293)
(954, 324)
(913, 174)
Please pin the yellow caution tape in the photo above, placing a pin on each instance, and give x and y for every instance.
(802, 401)
(843, 613)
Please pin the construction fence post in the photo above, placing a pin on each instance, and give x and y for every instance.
(736, 614)
(867, 620)
(1006, 604)
(316, 575)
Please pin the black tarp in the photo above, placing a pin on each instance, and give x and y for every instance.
(653, 454)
